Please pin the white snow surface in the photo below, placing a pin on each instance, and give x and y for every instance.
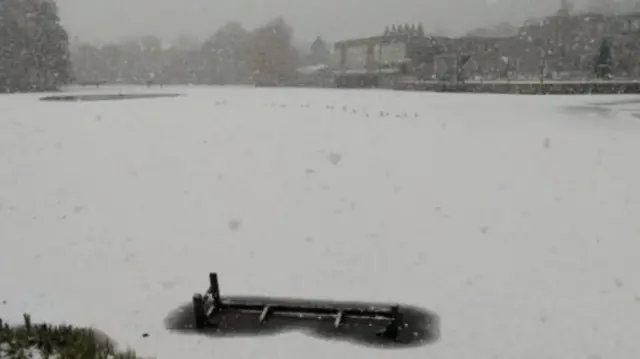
(514, 218)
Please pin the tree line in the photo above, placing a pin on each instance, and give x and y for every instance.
(36, 54)
(34, 47)
(232, 55)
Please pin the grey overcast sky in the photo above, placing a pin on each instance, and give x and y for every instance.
(105, 20)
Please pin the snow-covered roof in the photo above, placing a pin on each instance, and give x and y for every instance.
(308, 70)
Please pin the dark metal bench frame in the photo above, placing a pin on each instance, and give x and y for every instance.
(206, 306)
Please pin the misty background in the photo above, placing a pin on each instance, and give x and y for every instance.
(114, 20)
(48, 43)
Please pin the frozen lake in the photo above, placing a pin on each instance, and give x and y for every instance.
(515, 219)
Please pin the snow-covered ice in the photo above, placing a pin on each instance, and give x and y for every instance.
(514, 218)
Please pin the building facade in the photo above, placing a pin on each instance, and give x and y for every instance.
(561, 46)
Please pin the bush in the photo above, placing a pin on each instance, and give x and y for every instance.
(56, 342)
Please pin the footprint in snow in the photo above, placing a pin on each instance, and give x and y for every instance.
(335, 158)
(234, 224)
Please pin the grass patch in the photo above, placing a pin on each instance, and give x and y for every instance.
(37, 341)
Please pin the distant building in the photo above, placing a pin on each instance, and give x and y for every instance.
(316, 76)
(561, 46)
(378, 60)
(372, 62)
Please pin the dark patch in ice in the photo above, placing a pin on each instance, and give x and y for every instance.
(618, 102)
(107, 97)
(591, 110)
(606, 108)
(420, 326)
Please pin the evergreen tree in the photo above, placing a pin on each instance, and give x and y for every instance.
(51, 47)
(412, 29)
(319, 52)
(34, 47)
(11, 36)
(603, 60)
